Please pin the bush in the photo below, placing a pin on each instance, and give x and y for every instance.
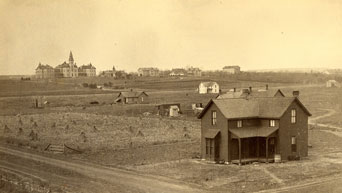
(85, 85)
(93, 86)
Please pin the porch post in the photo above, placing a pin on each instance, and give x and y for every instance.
(258, 148)
(239, 151)
(266, 149)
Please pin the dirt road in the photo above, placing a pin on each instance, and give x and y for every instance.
(104, 178)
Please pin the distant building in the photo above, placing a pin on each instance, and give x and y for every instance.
(132, 97)
(231, 69)
(87, 70)
(171, 110)
(45, 71)
(178, 72)
(67, 69)
(108, 73)
(208, 87)
(148, 72)
(332, 83)
(194, 71)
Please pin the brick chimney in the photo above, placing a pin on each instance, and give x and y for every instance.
(295, 93)
(250, 89)
(266, 86)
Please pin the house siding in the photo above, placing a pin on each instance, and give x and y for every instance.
(298, 129)
(134, 100)
(222, 138)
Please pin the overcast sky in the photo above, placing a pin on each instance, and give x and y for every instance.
(167, 34)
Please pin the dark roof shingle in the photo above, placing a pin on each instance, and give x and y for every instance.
(267, 107)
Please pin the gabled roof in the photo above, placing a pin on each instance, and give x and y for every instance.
(89, 66)
(178, 71)
(208, 84)
(230, 95)
(229, 67)
(65, 65)
(267, 107)
(258, 93)
(132, 94)
(42, 67)
(148, 69)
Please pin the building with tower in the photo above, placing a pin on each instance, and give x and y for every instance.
(67, 69)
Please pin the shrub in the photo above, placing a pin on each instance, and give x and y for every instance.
(85, 85)
(93, 86)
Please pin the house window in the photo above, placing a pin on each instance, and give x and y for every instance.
(209, 146)
(126, 100)
(213, 118)
(293, 144)
(293, 116)
(239, 123)
(272, 123)
(142, 99)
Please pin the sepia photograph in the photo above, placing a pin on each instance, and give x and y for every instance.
(170, 96)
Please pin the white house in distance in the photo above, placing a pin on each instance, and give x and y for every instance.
(208, 87)
(332, 83)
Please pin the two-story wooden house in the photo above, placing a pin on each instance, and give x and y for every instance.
(238, 130)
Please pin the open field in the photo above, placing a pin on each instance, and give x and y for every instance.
(69, 86)
(122, 136)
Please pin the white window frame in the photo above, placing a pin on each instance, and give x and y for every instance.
(293, 116)
(239, 124)
(272, 123)
(213, 118)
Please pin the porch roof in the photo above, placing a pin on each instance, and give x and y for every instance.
(247, 132)
(211, 133)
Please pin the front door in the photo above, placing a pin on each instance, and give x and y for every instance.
(271, 146)
(210, 149)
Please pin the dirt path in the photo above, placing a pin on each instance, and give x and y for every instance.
(127, 180)
(330, 112)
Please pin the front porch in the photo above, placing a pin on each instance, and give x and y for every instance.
(250, 145)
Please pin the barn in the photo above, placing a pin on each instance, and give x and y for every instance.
(132, 97)
(241, 130)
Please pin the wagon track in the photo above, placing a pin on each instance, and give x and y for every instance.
(110, 179)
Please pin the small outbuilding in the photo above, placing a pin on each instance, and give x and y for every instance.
(132, 97)
(332, 83)
(171, 110)
(208, 87)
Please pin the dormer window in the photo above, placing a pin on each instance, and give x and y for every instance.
(272, 123)
(239, 123)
